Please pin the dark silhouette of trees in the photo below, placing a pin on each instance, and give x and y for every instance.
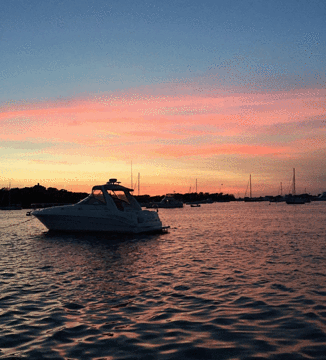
(38, 194)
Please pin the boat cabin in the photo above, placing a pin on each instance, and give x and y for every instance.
(112, 195)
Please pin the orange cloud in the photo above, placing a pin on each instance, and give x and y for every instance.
(159, 129)
(242, 150)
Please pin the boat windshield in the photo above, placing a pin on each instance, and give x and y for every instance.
(96, 198)
(120, 198)
(118, 194)
(98, 195)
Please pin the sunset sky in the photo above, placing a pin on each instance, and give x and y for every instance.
(183, 90)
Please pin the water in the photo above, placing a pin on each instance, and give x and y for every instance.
(229, 281)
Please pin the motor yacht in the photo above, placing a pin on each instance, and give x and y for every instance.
(109, 208)
(167, 202)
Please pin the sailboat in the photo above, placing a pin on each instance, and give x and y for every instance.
(294, 199)
(279, 198)
(250, 198)
(246, 198)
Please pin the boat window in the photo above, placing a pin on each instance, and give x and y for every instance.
(98, 195)
(93, 200)
(118, 195)
(120, 199)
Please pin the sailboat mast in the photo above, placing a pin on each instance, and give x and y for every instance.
(9, 194)
(250, 184)
(293, 192)
(131, 175)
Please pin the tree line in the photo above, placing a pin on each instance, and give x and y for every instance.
(38, 194)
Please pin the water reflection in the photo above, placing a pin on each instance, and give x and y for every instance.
(228, 281)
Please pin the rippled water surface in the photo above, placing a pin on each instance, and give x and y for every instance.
(229, 281)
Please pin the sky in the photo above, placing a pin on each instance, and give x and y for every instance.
(164, 95)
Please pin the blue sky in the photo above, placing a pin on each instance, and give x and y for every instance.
(53, 48)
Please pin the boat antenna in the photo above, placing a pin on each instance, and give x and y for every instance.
(131, 174)
(138, 183)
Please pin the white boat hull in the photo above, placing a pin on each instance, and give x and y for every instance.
(114, 225)
(111, 223)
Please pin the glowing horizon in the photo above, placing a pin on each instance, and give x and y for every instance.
(161, 135)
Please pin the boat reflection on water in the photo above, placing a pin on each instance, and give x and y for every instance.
(109, 208)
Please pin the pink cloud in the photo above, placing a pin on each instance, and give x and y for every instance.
(159, 128)
(206, 151)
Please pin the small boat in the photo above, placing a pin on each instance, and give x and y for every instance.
(295, 200)
(195, 205)
(321, 197)
(167, 202)
(109, 208)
